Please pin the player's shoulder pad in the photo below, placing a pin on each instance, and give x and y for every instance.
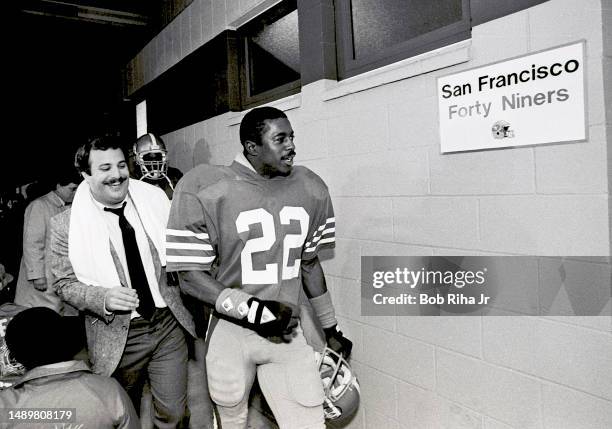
(200, 177)
(313, 181)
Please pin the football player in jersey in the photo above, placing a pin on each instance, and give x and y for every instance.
(245, 240)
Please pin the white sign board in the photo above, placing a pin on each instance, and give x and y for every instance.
(534, 99)
(141, 118)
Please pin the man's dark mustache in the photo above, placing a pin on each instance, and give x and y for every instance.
(292, 153)
(116, 182)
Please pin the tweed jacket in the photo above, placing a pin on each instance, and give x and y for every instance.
(106, 334)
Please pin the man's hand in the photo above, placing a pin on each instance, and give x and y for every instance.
(121, 298)
(271, 318)
(40, 284)
(338, 342)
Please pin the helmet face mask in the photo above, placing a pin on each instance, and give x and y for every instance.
(340, 386)
(151, 156)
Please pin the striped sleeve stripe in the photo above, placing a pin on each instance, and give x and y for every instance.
(186, 233)
(327, 231)
(188, 246)
(326, 228)
(324, 234)
(190, 259)
(323, 241)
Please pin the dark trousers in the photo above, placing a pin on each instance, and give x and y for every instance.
(156, 349)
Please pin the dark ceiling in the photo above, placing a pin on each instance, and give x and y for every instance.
(65, 62)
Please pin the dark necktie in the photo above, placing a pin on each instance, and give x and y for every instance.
(136, 270)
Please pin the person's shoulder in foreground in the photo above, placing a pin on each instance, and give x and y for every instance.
(45, 343)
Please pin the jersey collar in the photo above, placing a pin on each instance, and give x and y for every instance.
(241, 159)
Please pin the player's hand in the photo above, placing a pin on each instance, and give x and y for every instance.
(338, 342)
(121, 298)
(40, 284)
(271, 318)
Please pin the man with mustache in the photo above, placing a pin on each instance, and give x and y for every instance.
(108, 260)
(245, 240)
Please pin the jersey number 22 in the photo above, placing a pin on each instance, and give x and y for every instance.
(261, 216)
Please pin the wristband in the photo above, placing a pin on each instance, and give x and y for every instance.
(233, 303)
(324, 309)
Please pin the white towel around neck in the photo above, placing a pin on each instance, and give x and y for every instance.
(89, 238)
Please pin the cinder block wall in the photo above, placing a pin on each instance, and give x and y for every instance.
(374, 140)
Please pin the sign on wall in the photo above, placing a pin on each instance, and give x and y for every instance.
(534, 99)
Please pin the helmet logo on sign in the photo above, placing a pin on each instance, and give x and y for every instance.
(501, 130)
(340, 386)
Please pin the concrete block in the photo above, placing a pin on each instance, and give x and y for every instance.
(362, 132)
(511, 32)
(180, 153)
(573, 356)
(607, 84)
(222, 132)
(541, 225)
(600, 323)
(448, 222)
(413, 91)
(398, 356)
(559, 22)
(414, 122)
(461, 334)
(481, 172)
(324, 168)
(422, 409)
(490, 423)
(568, 409)
(348, 301)
(378, 391)
(377, 420)
(374, 248)
(558, 172)
(310, 140)
(496, 392)
(343, 261)
(353, 331)
(596, 80)
(364, 218)
(388, 173)
(346, 297)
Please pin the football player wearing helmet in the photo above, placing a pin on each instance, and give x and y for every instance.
(245, 240)
(149, 163)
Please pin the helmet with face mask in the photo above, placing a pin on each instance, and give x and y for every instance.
(151, 157)
(340, 386)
